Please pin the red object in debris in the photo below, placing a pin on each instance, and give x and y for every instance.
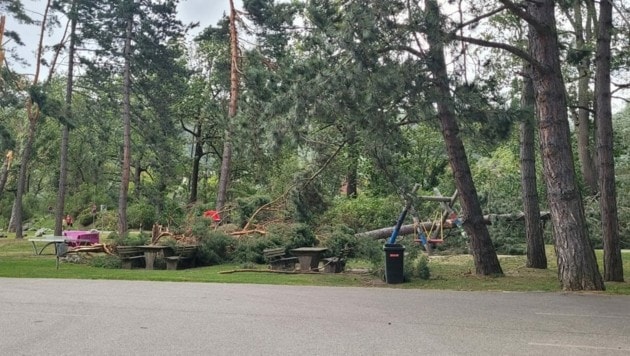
(212, 214)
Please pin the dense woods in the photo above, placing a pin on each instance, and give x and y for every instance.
(327, 113)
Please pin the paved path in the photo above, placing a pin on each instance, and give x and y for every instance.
(98, 317)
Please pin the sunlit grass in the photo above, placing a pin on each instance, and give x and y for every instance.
(447, 272)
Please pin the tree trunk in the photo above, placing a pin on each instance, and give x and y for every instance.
(582, 122)
(65, 130)
(33, 114)
(198, 154)
(353, 161)
(4, 173)
(126, 121)
(226, 159)
(2, 22)
(577, 266)
(486, 261)
(613, 266)
(536, 257)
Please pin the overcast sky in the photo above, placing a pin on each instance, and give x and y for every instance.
(206, 12)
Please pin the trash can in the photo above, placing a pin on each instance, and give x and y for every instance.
(394, 263)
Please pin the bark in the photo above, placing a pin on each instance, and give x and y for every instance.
(2, 22)
(582, 122)
(198, 154)
(536, 257)
(447, 224)
(485, 257)
(613, 266)
(126, 122)
(353, 162)
(577, 266)
(33, 114)
(226, 159)
(65, 130)
(4, 172)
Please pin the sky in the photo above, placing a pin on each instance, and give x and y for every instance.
(206, 12)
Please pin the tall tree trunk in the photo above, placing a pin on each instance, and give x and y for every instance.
(126, 121)
(2, 22)
(613, 266)
(33, 114)
(353, 162)
(65, 129)
(577, 266)
(226, 159)
(4, 173)
(197, 155)
(536, 257)
(582, 123)
(485, 257)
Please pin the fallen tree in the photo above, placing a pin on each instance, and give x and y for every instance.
(448, 224)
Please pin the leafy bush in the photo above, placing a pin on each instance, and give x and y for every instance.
(106, 261)
(245, 208)
(136, 240)
(338, 238)
(364, 213)
(292, 235)
(216, 248)
(418, 267)
(250, 250)
(141, 214)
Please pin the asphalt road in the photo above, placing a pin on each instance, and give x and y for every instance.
(104, 317)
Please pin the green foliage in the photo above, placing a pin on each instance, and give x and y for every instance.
(105, 261)
(364, 213)
(508, 237)
(216, 248)
(417, 266)
(245, 208)
(339, 237)
(307, 199)
(250, 250)
(141, 215)
(292, 235)
(129, 240)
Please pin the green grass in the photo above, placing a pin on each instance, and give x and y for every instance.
(447, 272)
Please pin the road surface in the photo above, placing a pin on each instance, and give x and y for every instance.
(105, 317)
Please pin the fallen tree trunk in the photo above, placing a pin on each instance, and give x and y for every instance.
(448, 224)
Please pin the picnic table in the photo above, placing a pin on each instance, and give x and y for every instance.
(309, 257)
(48, 240)
(152, 251)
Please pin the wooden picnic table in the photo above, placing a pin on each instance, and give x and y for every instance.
(309, 257)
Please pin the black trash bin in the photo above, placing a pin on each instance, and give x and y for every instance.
(394, 263)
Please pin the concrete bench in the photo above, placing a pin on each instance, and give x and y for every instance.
(129, 254)
(277, 260)
(182, 253)
(336, 264)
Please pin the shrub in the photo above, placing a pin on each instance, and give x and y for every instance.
(246, 207)
(137, 240)
(292, 235)
(340, 237)
(215, 248)
(364, 213)
(141, 214)
(250, 250)
(106, 261)
(419, 267)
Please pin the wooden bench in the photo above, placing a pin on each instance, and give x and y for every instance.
(129, 254)
(277, 260)
(336, 264)
(182, 253)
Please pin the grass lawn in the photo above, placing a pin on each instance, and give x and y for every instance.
(447, 272)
